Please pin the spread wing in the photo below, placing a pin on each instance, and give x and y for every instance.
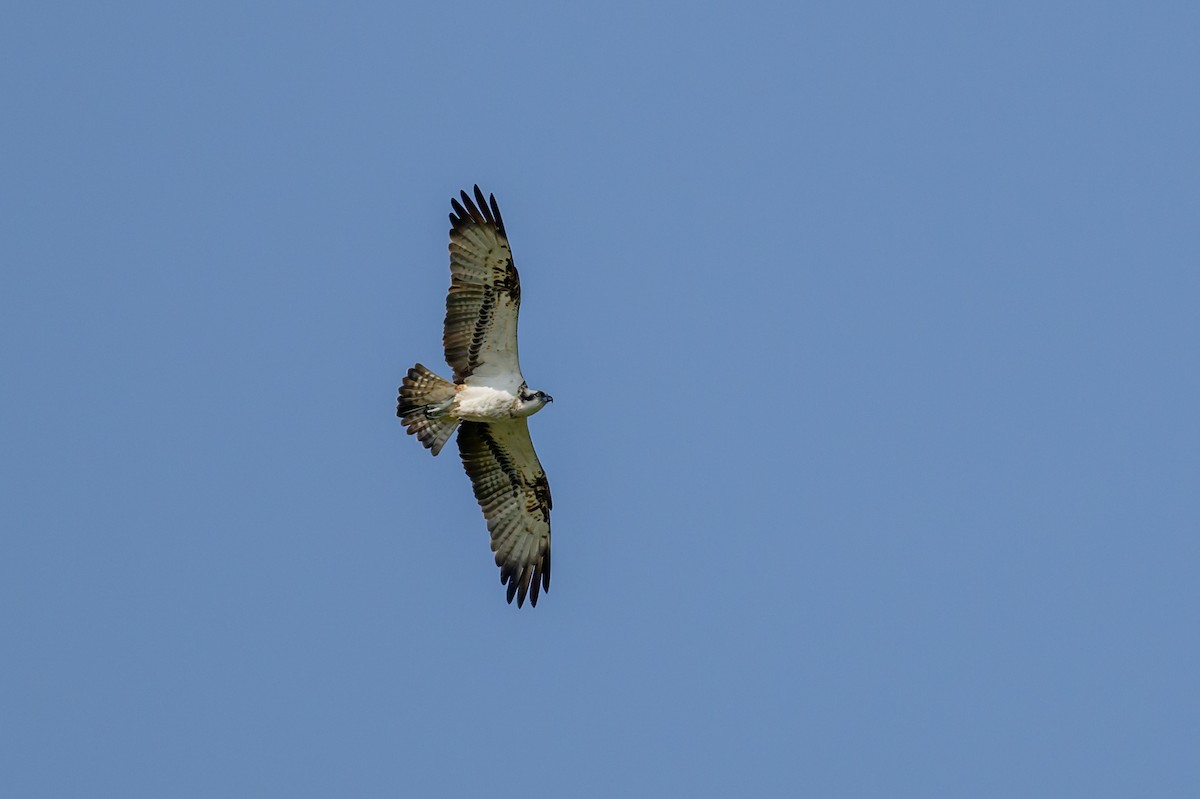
(512, 490)
(480, 334)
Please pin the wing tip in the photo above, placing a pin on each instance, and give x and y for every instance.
(479, 211)
(527, 580)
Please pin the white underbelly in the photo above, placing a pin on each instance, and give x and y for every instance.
(480, 404)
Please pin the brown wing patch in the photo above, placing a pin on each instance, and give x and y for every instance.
(538, 498)
(508, 281)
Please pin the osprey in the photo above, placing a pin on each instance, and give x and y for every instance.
(489, 401)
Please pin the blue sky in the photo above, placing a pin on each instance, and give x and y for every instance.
(872, 330)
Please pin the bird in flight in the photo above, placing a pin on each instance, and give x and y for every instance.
(489, 402)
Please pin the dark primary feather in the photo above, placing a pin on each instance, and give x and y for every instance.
(480, 211)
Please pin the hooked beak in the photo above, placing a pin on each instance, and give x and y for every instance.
(549, 398)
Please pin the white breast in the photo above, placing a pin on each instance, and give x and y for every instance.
(482, 403)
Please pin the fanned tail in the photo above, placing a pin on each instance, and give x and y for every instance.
(422, 406)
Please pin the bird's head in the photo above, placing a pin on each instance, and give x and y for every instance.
(533, 401)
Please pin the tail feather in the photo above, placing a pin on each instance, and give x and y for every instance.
(433, 433)
(422, 405)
